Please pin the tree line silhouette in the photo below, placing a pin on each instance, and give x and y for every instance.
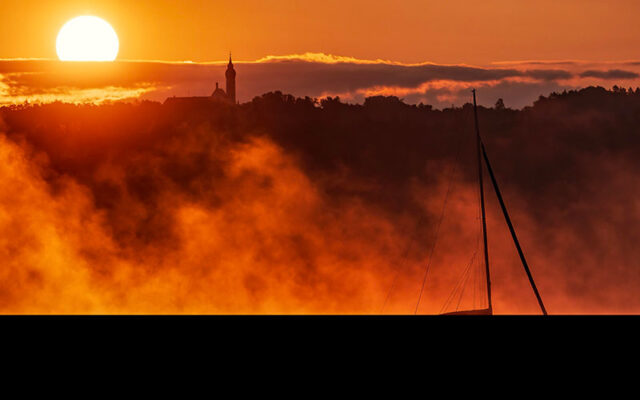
(383, 139)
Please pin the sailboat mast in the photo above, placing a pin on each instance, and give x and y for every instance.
(484, 220)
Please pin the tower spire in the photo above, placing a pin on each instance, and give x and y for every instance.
(231, 81)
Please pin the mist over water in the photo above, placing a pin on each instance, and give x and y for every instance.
(284, 205)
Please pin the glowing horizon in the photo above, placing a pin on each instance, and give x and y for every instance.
(312, 74)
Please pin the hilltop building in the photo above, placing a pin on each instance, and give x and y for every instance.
(227, 96)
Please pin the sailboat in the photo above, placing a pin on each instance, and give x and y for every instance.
(482, 156)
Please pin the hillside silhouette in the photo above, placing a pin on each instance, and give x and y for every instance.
(287, 204)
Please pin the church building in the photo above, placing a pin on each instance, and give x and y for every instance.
(227, 96)
(230, 93)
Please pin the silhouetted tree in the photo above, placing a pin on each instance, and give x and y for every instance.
(383, 101)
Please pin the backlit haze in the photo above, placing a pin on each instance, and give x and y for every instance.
(344, 171)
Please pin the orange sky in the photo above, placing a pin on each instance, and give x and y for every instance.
(402, 30)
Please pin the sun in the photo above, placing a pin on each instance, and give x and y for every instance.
(87, 38)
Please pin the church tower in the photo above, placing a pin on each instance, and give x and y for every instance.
(231, 81)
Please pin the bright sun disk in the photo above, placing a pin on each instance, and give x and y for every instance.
(87, 38)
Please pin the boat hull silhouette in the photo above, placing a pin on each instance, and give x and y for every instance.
(485, 311)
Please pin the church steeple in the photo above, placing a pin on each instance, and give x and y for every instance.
(231, 81)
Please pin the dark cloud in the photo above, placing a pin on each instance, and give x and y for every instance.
(538, 62)
(548, 74)
(609, 74)
(306, 75)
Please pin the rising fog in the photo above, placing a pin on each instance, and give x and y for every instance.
(289, 205)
